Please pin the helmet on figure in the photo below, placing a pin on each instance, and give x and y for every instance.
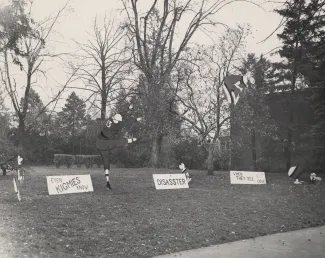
(117, 118)
(248, 77)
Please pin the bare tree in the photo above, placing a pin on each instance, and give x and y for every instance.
(33, 53)
(204, 107)
(158, 44)
(104, 65)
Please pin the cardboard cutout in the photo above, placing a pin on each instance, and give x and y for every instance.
(109, 138)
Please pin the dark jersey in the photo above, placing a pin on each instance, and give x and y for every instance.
(112, 136)
(230, 82)
(112, 132)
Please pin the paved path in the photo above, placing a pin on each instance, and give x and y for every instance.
(306, 243)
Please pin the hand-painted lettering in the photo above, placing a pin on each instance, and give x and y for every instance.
(66, 185)
(170, 181)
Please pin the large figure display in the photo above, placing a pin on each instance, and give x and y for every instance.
(234, 84)
(108, 139)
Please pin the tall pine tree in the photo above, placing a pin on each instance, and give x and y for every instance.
(301, 35)
(72, 118)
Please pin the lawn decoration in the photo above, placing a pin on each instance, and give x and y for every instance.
(184, 170)
(170, 181)
(314, 178)
(297, 173)
(19, 179)
(234, 84)
(109, 139)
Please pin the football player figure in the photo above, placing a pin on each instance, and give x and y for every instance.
(296, 172)
(184, 170)
(234, 84)
(109, 138)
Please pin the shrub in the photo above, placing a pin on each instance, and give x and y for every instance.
(63, 159)
(78, 160)
(188, 152)
(88, 161)
(97, 160)
(136, 155)
(8, 151)
(57, 160)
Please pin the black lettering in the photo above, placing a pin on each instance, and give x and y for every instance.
(82, 187)
(56, 180)
(158, 182)
(57, 188)
(78, 180)
(174, 182)
(64, 186)
(68, 184)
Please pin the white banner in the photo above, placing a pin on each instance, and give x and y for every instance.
(69, 184)
(247, 177)
(170, 181)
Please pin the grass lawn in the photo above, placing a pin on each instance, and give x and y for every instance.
(135, 220)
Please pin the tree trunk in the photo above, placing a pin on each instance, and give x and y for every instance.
(288, 148)
(230, 138)
(21, 132)
(253, 144)
(103, 106)
(156, 148)
(210, 159)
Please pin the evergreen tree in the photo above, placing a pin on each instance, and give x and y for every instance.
(252, 114)
(72, 119)
(303, 30)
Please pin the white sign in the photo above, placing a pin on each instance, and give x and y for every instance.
(170, 181)
(247, 177)
(69, 184)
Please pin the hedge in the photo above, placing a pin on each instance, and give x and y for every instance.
(78, 160)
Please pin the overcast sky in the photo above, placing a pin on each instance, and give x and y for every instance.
(78, 21)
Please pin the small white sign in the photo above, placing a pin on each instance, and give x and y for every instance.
(69, 184)
(170, 181)
(247, 177)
